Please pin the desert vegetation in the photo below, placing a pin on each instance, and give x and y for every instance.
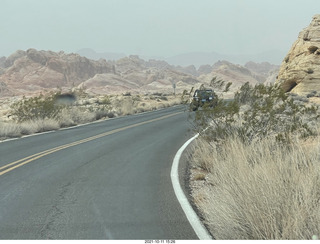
(55, 110)
(255, 167)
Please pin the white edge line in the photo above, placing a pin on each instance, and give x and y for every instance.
(192, 217)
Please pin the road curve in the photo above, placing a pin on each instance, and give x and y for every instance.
(106, 180)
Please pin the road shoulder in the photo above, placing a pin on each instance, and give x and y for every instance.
(180, 179)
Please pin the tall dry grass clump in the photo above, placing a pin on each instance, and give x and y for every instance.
(38, 125)
(260, 191)
(260, 157)
(70, 116)
(8, 130)
(12, 130)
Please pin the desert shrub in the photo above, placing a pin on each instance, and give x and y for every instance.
(66, 119)
(38, 125)
(127, 94)
(74, 115)
(28, 127)
(40, 107)
(310, 71)
(312, 49)
(256, 112)
(312, 94)
(9, 130)
(262, 162)
(35, 112)
(164, 98)
(105, 100)
(157, 94)
(137, 98)
(260, 191)
(104, 113)
(286, 59)
(126, 106)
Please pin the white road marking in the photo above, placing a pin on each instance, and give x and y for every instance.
(193, 218)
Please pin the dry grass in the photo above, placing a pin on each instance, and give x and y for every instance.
(259, 191)
(126, 105)
(74, 116)
(9, 130)
(38, 125)
(86, 109)
(12, 130)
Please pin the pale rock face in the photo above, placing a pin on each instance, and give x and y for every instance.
(13, 57)
(230, 72)
(300, 70)
(32, 71)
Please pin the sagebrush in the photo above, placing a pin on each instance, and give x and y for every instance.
(260, 156)
(256, 112)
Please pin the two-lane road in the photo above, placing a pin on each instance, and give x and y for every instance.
(106, 180)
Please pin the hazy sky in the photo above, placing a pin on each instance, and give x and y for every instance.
(154, 27)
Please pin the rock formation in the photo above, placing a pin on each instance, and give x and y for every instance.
(253, 73)
(33, 71)
(135, 74)
(264, 72)
(300, 69)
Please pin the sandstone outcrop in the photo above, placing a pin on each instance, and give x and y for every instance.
(135, 74)
(107, 83)
(300, 70)
(264, 72)
(33, 71)
(253, 73)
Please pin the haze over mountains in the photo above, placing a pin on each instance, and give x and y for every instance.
(194, 58)
(31, 71)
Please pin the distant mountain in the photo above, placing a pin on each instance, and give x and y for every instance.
(202, 58)
(254, 73)
(91, 54)
(27, 72)
(33, 71)
(195, 58)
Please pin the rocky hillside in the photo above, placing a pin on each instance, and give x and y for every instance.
(32, 71)
(135, 74)
(300, 69)
(253, 73)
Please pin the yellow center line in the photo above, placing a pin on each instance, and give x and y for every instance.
(16, 164)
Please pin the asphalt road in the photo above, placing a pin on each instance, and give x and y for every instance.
(106, 180)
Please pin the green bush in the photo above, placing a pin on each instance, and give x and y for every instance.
(256, 112)
(260, 174)
(40, 107)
